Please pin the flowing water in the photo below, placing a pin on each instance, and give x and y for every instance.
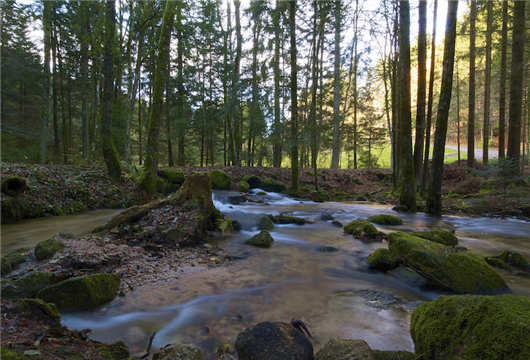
(333, 292)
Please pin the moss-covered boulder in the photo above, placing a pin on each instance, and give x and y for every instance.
(514, 259)
(269, 184)
(345, 349)
(178, 352)
(243, 186)
(385, 219)
(252, 180)
(224, 224)
(287, 219)
(26, 285)
(262, 239)
(360, 228)
(472, 327)
(47, 248)
(336, 223)
(14, 185)
(172, 175)
(382, 259)
(220, 180)
(265, 223)
(439, 236)
(115, 351)
(12, 209)
(319, 196)
(236, 225)
(39, 310)
(461, 272)
(12, 260)
(395, 355)
(82, 292)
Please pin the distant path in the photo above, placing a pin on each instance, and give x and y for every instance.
(492, 152)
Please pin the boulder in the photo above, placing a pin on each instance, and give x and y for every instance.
(269, 184)
(385, 219)
(514, 259)
(336, 223)
(382, 259)
(263, 239)
(440, 236)
(325, 216)
(12, 260)
(12, 209)
(287, 219)
(461, 272)
(394, 355)
(273, 341)
(345, 349)
(37, 309)
(14, 185)
(220, 180)
(252, 180)
(265, 223)
(236, 225)
(172, 176)
(319, 196)
(360, 227)
(26, 285)
(115, 351)
(82, 292)
(472, 327)
(243, 186)
(47, 248)
(178, 352)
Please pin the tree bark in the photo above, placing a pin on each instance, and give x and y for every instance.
(46, 22)
(434, 200)
(84, 77)
(294, 98)
(502, 86)
(422, 73)
(336, 88)
(276, 128)
(471, 106)
(487, 85)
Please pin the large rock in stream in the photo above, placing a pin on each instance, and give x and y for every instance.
(345, 349)
(273, 341)
(461, 272)
(472, 327)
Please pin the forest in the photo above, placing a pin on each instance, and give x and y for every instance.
(146, 146)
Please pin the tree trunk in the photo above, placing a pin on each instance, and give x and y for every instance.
(434, 200)
(109, 150)
(294, 97)
(180, 87)
(84, 77)
(487, 85)
(422, 73)
(502, 86)
(276, 127)
(235, 107)
(56, 144)
(170, 162)
(336, 88)
(458, 113)
(471, 106)
(407, 196)
(46, 21)
(516, 86)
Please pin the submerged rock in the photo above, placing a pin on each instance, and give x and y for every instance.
(265, 223)
(359, 228)
(287, 219)
(456, 271)
(82, 292)
(336, 223)
(220, 180)
(178, 352)
(382, 259)
(440, 236)
(472, 327)
(385, 219)
(408, 276)
(395, 355)
(273, 341)
(345, 349)
(47, 248)
(327, 249)
(263, 239)
(514, 259)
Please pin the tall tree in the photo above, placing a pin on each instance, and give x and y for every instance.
(181, 118)
(294, 97)
(46, 22)
(434, 199)
(407, 195)
(487, 84)
(336, 87)
(502, 86)
(149, 176)
(109, 150)
(276, 127)
(235, 104)
(516, 85)
(85, 24)
(471, 106)
(422, 73)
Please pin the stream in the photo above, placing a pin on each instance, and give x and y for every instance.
(334, 292)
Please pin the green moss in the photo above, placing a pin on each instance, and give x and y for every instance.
(12, 260)
(269, 184)
(26, 285)
(116, 351)
(360, 228)
(499, 263)
(439, 236)
(382, 259)
(38, 309)
(220, 180)
(473, 327)
(252, 180)
(461, 272)
(513, 258)
(147, 181)
(286, 219)
(13, 185)
(337, 223)
(385, 219)
(394, 355)
(12, 209)
(47, 248)
(263, 239)
(172, 176)
(243, 186)
(161, 185)
(224, 224)
(336, 349)
(82, 292)
(361, 198)
(7, 354)
(265, 223)
(320, 196)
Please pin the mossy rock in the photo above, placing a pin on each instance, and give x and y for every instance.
(82, 292)
(115, 351)
(514, 259)
(439, 236)
(47, 248)
(220, 180)
(385, 219)
(252, 180)
(319, 196)
(7, 354)
(337, 223)
(472, 327)
(265, 223)
(178, 352)
(347, 349)
(394, 355)
(382, 259)
(360, 228)
(243, 186)
(12, 260)
(39, 310)
(461, 272)
(172, 176)
(269, 184)
(14, 185)
(224, 224)
(287, 219)
(27, 285)
(236, 225)
(496, 262)
(263, 239)
(161, 185)
(12, 209)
